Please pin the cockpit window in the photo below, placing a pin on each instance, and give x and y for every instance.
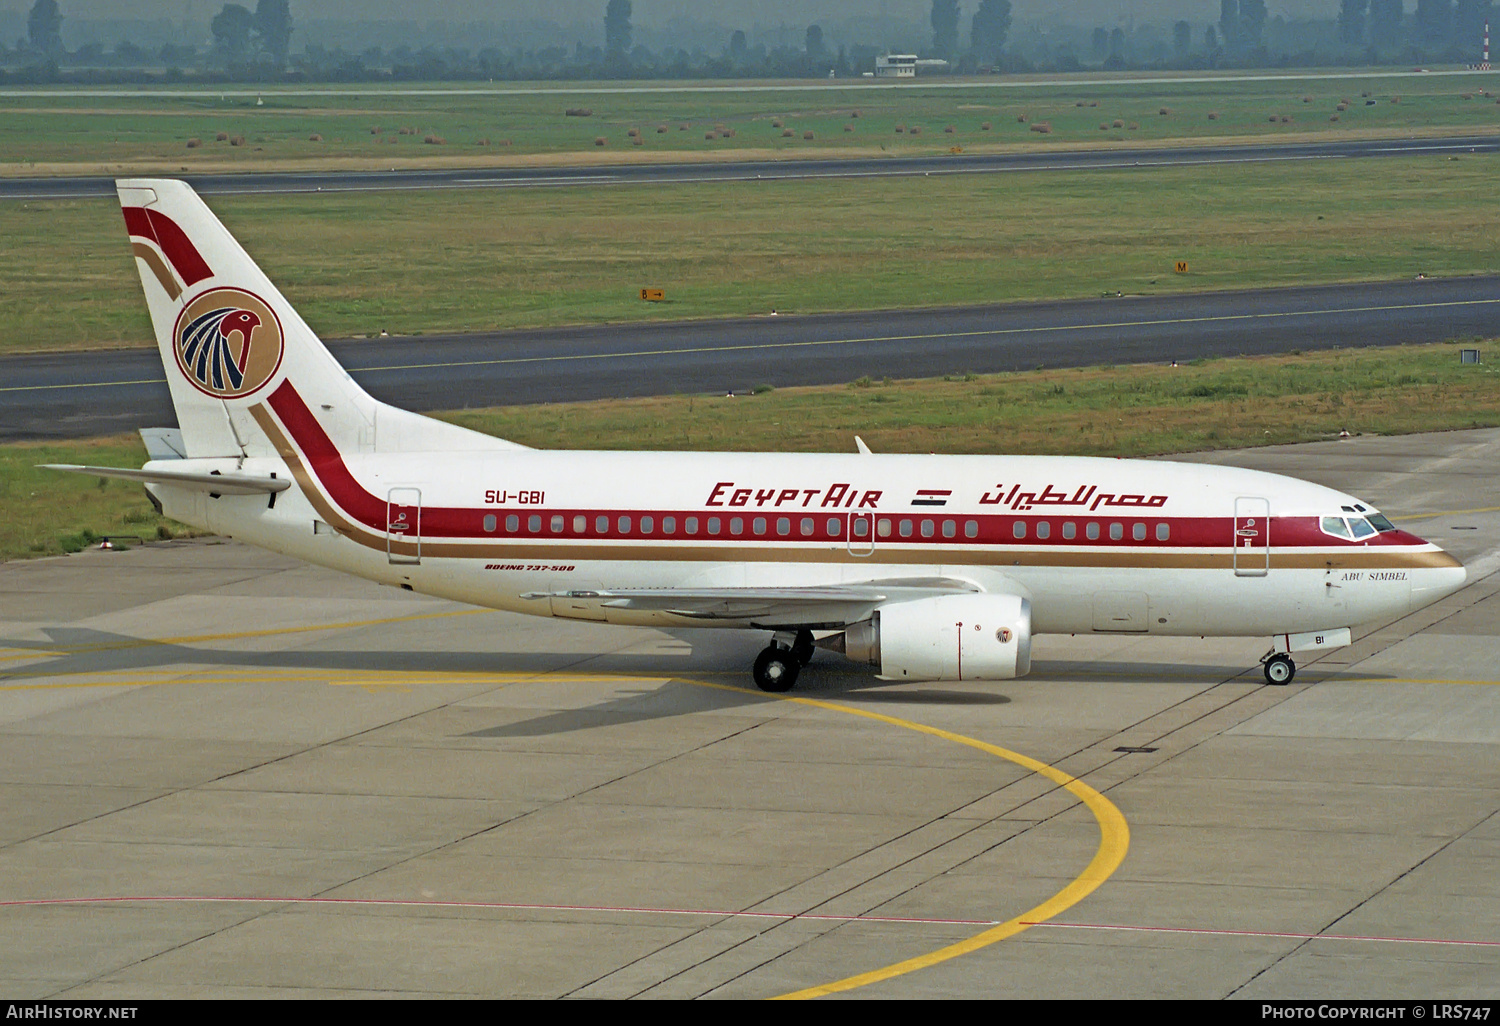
(1380, 523)
(1336, 527)
(1361, 527)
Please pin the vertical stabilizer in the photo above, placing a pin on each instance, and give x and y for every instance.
(232, 345)
(228, 338)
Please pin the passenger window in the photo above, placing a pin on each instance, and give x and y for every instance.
(971, 529)
(557, 523)
(601, 525)
(490, 522)
(834, 527)
(647, 524)
(928, 529)
(904, 530)
(580, 524)
(1018, 529)
(512, 524)
(736, 525)
(1091, 529)
(668, 525)
(534, 523)
(1116, 531)
(783, 526)
(883, 528)
(1336, 527)
(862, 528)
(950, 529)
(1163, 532)
(758, 525)
(623, 524)
(713, 525)
(1044, 530)
(690, 525)
(1069, 531)
(808, 527)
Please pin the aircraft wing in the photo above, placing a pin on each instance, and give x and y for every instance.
(830, 606)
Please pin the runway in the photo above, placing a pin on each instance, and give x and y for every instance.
(62, 396)
(1097, 158)
(227, 775)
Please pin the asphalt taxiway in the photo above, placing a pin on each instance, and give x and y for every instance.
(226, 774)
(789, 168)
(59, 395)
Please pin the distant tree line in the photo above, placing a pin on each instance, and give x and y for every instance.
(256, 45)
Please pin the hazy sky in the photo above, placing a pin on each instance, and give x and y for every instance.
(729, 12)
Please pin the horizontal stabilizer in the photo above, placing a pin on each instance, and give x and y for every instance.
(216, 483)
(163, 443)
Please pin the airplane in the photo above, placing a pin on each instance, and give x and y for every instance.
(924, 567)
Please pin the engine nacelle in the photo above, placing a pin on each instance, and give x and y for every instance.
(950, 637)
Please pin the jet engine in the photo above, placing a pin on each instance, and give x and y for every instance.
(949, 637)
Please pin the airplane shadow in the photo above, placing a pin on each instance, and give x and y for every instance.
(828, 677)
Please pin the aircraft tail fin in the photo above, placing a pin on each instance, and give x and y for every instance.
(231, 344)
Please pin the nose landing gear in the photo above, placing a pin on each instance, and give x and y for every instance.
(1279, 669)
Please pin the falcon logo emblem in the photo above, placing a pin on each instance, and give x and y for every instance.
(228, 342)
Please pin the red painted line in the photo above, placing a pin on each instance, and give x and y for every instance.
(1270, 933)
(171, 240)
(495, 905)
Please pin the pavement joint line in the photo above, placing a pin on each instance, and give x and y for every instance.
(502, 906)
(1198, 932)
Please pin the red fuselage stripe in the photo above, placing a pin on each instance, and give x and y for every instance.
(440, 522)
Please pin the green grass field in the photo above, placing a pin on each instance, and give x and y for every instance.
(147, 130)
(468, 260)
(1108, 411)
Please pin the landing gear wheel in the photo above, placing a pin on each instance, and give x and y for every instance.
(775, 670)
(1280, 669)
(802, 648)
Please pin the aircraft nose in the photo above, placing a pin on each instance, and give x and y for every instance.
(1432, 583)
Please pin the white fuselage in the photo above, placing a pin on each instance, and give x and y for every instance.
(1095, 544)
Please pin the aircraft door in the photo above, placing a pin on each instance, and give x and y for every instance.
(1252, 537)
(403, 526)
(861, 539)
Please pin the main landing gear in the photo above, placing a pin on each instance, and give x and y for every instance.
(1279, 669)
(777, 665)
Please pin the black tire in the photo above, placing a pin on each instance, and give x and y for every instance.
(775, 670)
(1280, 670)
(803, 648)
